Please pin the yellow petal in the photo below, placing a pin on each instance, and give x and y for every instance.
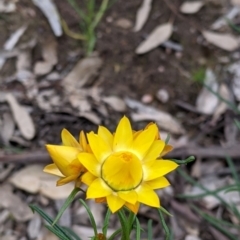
(89, 161)
(88, 178)
(114, 203)
(154, 151)
(158, 169)
(133, 207)
(52, 169)
(166, 150)
(123, 137)
(98, 189)
(143, 141)
(147, 196)
(62, 156)
(106, 135)
(100, 148)
(157, 183)
(128, 196)
(66, 180)
(69, 140)
(83, 141)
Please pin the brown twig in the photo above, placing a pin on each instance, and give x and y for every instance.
(210, 152)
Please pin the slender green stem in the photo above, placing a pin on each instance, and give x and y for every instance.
(100, 14)
(165, 227)
(124, 225)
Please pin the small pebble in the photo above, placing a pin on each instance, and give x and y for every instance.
(124, 23)
(162, 95)
(161, 69)
(147, 98)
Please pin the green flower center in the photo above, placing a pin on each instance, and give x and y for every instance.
(122, 171)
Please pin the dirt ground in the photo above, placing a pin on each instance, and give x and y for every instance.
(123, 74)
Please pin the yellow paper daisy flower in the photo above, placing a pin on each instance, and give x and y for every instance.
(66, 164)
(123, 168)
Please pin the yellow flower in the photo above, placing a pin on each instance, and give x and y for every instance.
(66, 164)
(123, 168)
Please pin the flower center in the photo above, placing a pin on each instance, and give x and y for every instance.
(122, 171)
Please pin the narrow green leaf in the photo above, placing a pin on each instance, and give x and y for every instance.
(92, 220)
(138, 230)
(237, 123)
(66, 204)
(185, 161)
(201, 195)
(167, 138)
(47, 218)
(57, 233)
(150, 230)
(213, 222)
(106, 222)
(116, 233)
(233, 169)
(72, 233)
(165, 227)
(124, 224)
(165, 211)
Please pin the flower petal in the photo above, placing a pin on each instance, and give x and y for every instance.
(100, 148)
(66, 180)
(128, 196)
(88, 178)
(157, 183)
(52, 169)
(158, 169)
(166, 150)
(143, 141)
(154, 151)
(89, 161)
(133, 207)
(106, 135)
(114, 203)
(147, 196)
(62, 156)
(69, 140)
(83, 141)
(124, 136)
(98, 189)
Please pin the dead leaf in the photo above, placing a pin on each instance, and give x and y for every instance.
(231, 14)
(7, 128)
(12, 41)
(222, 106)
(159, 35)
(191, 7)
(7, 7)
(50, 11)
(19, 209)
(21, 117)
(49, 53)
(207, 101)
(115, 102)
(164, 120)
(235, 70)
(235, 2)
(28, 80)
(91, 116)
(142, 14)
(32, 179)
(82, 73)
(224, 41)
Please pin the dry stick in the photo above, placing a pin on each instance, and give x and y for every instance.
(209, 152)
